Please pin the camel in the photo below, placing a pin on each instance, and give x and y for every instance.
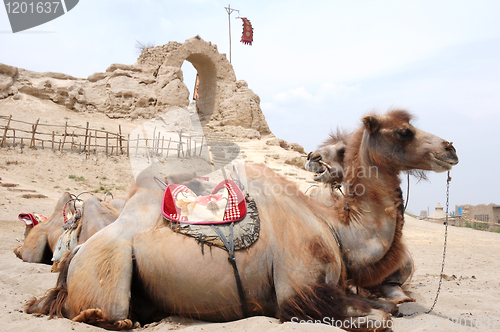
(40, 241)
(139, 269)
(327, 163)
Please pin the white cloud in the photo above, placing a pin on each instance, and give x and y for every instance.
(325, 91)
(329, 90)
(293, 94)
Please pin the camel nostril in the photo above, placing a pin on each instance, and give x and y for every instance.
(449, 146)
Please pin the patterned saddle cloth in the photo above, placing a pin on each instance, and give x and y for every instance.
(226, 211)
(31, 218)
(225, 204)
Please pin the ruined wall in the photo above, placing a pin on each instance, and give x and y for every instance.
(481, 212)
(150, 86)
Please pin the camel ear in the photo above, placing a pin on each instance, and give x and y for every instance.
(341, 152)
(372, 123)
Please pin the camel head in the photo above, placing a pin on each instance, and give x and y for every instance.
(327, 163)
(390, 140)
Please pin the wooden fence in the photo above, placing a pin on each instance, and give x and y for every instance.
(476, 224)
(78, 139)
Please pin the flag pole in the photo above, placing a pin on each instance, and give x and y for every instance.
(229, 11)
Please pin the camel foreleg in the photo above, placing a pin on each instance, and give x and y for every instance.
(390, 288)
(99, 281)
(33, 248)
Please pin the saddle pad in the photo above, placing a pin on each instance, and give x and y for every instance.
(31, 218)
(245, 232)
(225, 204)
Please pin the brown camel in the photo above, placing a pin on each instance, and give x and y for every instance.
(139, 269)
(327, 163)
(40, 241)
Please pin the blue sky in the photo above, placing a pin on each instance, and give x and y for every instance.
(317, 65)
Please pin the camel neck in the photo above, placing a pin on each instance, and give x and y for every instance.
(371, 215)
(369, 186)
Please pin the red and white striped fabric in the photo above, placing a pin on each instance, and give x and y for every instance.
(180, 204)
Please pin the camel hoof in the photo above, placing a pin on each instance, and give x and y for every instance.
(89, 316)
(96, 317)
(56, 267)
(395, 294)
(123, 324)
(17, 251)
(376, 321)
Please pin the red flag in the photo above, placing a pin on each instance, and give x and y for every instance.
(247, 37)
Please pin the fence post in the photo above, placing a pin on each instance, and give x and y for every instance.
(13, 138)
(162, 142)
(107, 144)
(32, 143)
(179, 145)
(137, 144)
(88, 149)
(201, 145)
(128, 146)
(153, 147)
(53, 134)
(168, 147)
(117, 143)
(64, 137)
(5, 132)
(158, 144)
(120, 132)
(86, 135)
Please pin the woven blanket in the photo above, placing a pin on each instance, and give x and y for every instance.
(245, 231)
(225, 204)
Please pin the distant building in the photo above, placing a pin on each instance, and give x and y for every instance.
(487, 213)
(439, 215)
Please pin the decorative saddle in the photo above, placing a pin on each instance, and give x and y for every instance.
(226, 218)
(225, 204)
(31, 218)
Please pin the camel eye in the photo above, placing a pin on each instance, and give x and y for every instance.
(405, 134)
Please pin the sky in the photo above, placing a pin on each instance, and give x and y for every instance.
(317, 66)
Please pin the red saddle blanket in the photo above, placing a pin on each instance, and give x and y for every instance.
(31, 218)
(225, 204)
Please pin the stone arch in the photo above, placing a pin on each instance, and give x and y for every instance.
(213, 68)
